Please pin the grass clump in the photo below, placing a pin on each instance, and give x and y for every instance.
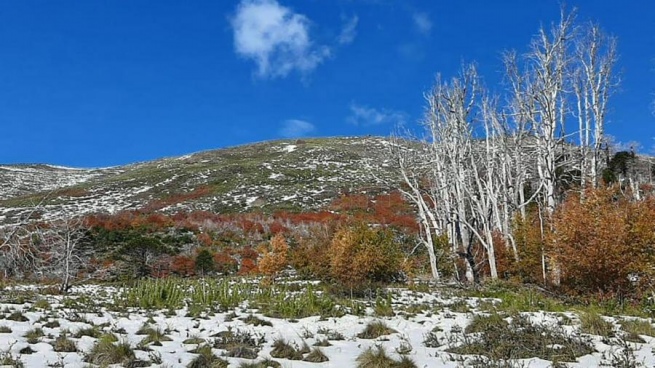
(375, 329)
(322, 342)
(638, 327)
(154, 336)
(17, 316)
(594, 324)
(52, 324)
(431, 339)
(33, 336)
(377, 358)
(316, 355)
(481, 323)
(63, 344)
(194, 340)
(41, 304)
(459, 306)
(383, 306)
(331, 334)
(256, 321)
(239, 344)
(6, 359)
(207, 359)
(284, 350)
(105, 353)
(266, 363)
(89, 331)
(497, 339)
(634, 329)
(5, 329)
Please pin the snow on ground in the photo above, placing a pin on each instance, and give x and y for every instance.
(179, 326)
(289, 148)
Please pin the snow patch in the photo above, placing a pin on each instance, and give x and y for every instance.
(289, 148)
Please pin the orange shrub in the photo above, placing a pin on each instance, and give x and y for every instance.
(275, 256)
(183, 265)
(308, 255)
(603, 244)
(362, 254)
(225, 263)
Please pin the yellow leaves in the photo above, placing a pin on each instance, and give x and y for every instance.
(360, 254)
(275, 256)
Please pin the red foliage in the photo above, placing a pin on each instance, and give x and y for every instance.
(249, 258)
(183, 265)
(205, 239)
(277, 228)
(307, 217)
(224, 262)
(248, 266)
(351, 203)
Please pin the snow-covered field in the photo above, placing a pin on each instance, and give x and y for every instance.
(440, 318)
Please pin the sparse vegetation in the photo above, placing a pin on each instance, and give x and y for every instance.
(495, 338)
(239, 344)
(375, 329)
(33, 336)
(377, 358)
(266, 363)
(64, 345)
(316, 356)
(285, 350)
(207, 359)
(634, 328)
(594, 324)
(105, 352)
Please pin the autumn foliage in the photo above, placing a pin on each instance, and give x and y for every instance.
(604, 244)
(275, 256)
(361, 254)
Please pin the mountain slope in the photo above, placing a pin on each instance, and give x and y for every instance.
(288, 174)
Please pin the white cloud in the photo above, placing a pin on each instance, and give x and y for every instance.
(296, 128)
(364, 115)
(275, 38)
(422, 22)
(349, 31)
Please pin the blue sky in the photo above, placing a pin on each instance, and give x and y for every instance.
(100, 83)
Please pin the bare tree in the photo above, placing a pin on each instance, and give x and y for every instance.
(540, 97)
(62, 252)
(452, 178)
(17, 253)
(594, 82)
(483, 164)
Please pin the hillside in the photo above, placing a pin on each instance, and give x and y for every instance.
(279, 175)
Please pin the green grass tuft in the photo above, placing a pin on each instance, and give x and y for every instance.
(594, 324)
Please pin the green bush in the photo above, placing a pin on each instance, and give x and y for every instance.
(204, 262)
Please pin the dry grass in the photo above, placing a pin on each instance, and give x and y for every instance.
(378, 358)
(375, 329)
